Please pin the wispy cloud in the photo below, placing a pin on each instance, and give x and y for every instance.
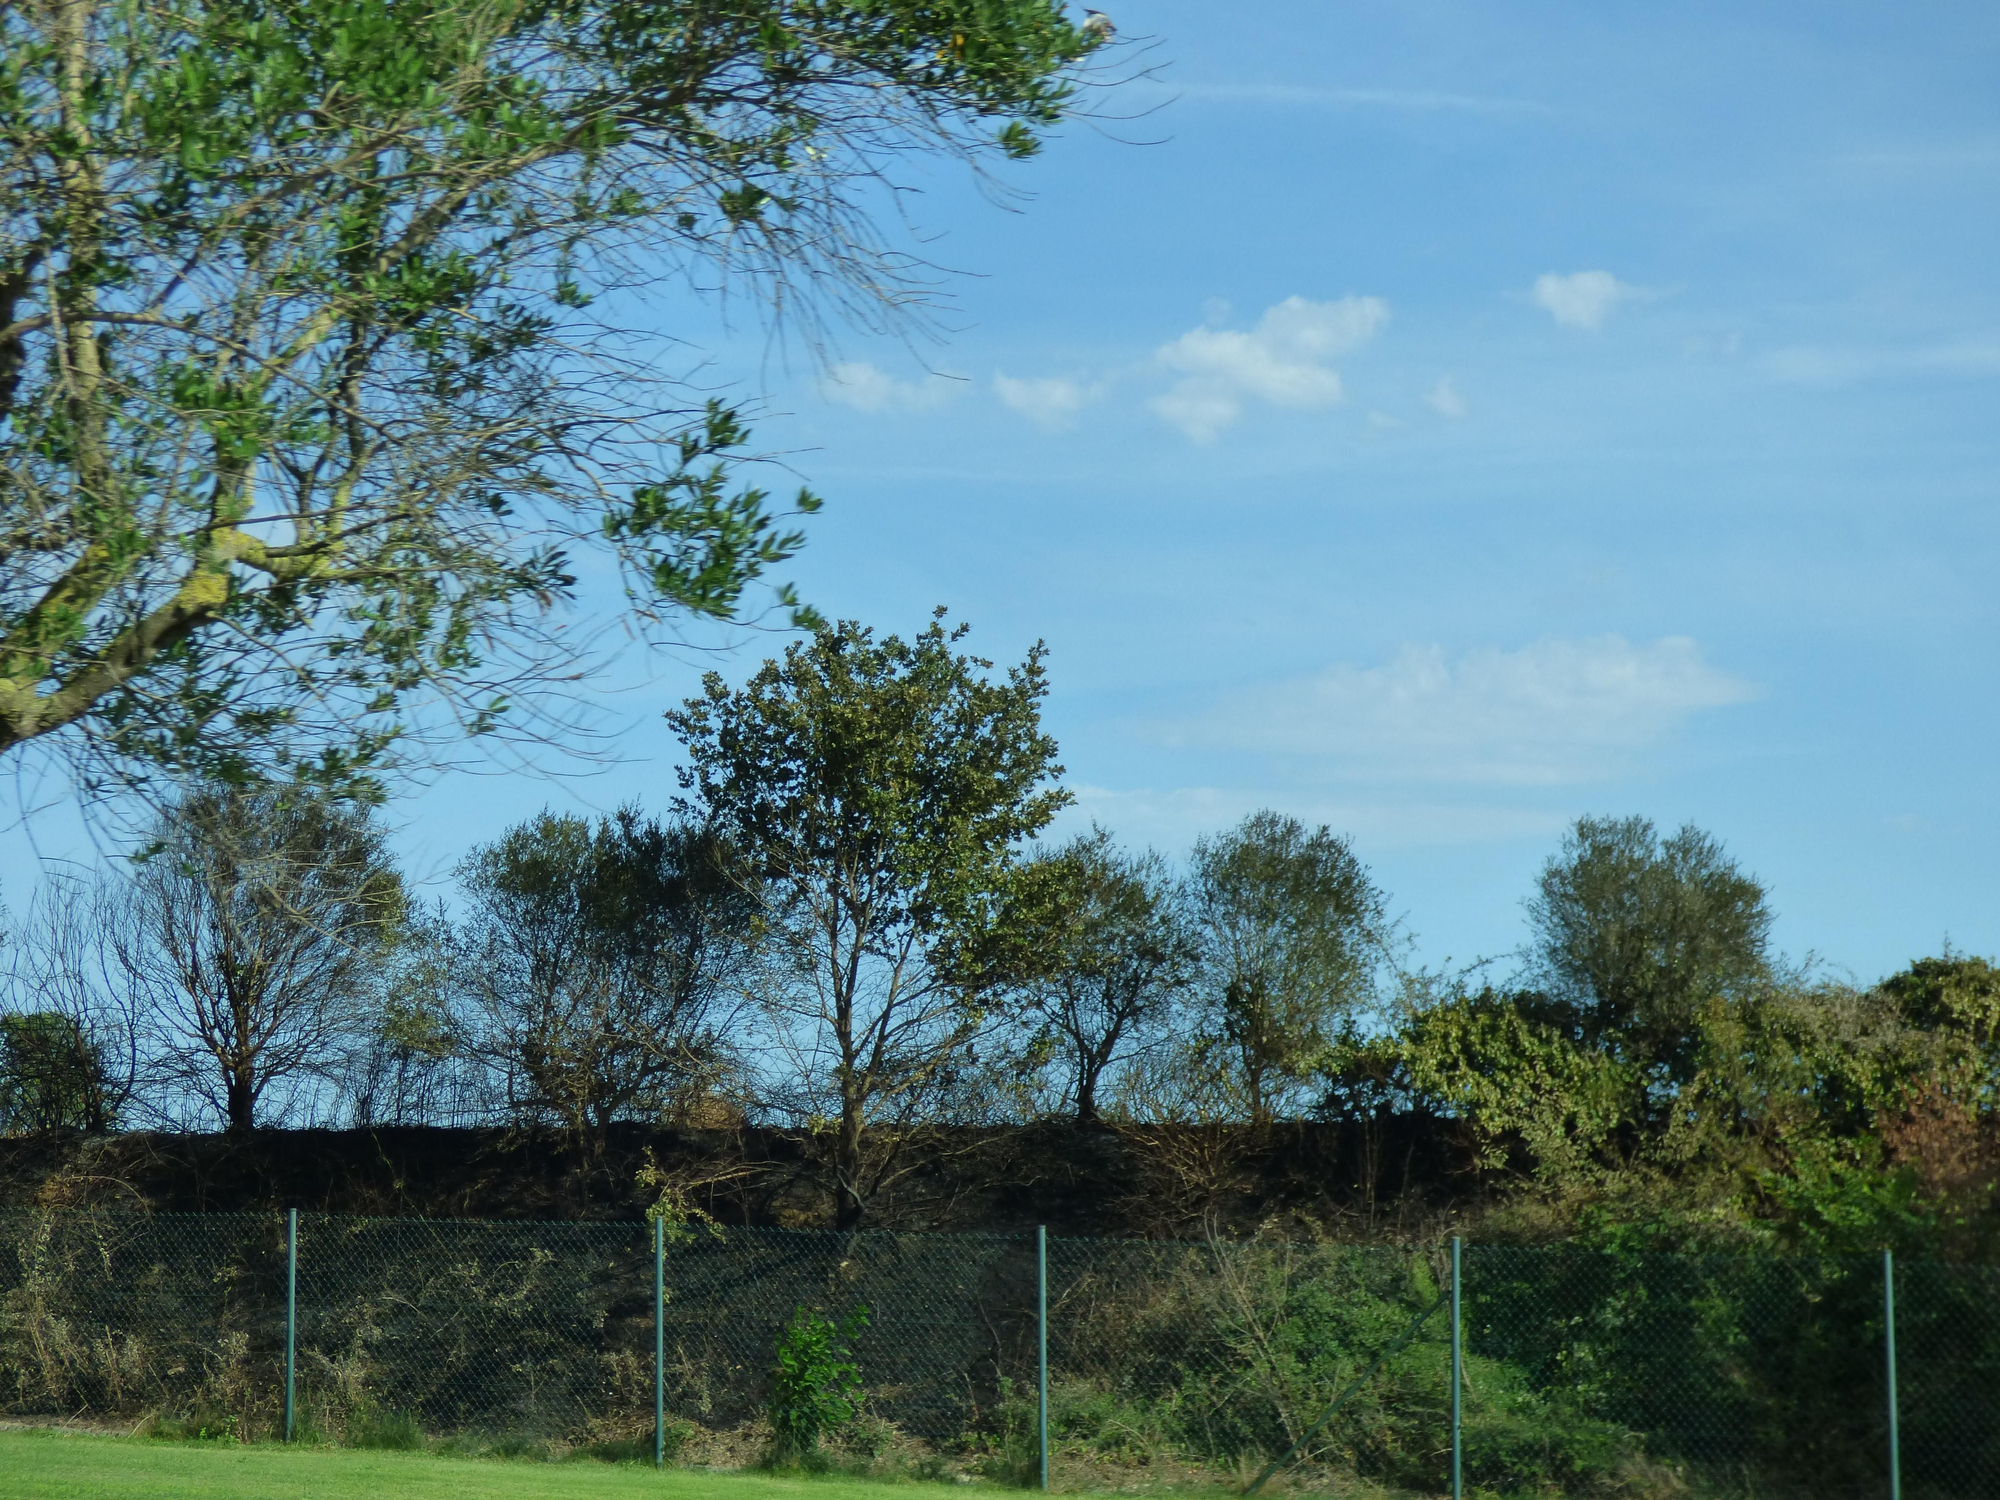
(1054, 402)
(1584, 299)
(1815, 365)
(1972, 153)
(1556, 712)
(1282, 361)
(863, 387)
(1445, 400)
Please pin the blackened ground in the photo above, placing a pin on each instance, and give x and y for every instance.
(1394, 1179)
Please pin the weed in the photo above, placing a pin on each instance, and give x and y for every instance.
(396, 1430)
(197, 1427)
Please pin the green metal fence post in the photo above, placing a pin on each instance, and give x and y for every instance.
(659, 1343)
(291, 1314)
(1889, 1344)
(1042, 1346)
(1457, 1379)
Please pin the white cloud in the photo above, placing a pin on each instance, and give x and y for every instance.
(1051, 401)
(1552, 713)
(862, 386)
(1445, 400)
(1281, 362)
(1583, 300)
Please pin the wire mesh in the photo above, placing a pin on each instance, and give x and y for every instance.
(106, 1314)
(1226, 1354)
(1585, 1372)
(1948, 1379)
(1731, 1376)
(949, 1337)
(538, 1331)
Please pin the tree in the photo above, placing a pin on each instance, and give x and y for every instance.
(881, 789)
(1112, 953)
(1292, 929)
(1634, 933)
(603, 961)
(258, 930)
(303, 405)
(73, 1050)
(415, 1065)
(52, 1075)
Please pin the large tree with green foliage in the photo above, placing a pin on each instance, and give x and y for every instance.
(304, 404)
(1292, 930)
(882, 789)
(1635, 933)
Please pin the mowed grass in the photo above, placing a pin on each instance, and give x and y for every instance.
(68, 1466)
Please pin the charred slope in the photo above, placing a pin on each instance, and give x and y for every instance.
(1389, 1179)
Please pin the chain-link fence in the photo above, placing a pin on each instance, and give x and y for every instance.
(1581, 1373)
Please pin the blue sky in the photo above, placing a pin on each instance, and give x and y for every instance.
(1442, 420)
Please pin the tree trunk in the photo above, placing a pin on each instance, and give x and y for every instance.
(241, 1101)
(1086, 1098)
(849, 1206)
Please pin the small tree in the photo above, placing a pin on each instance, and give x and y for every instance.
(1291, 932)
(52, 1075)
(415, 1065)
(882, 789)
(1114, 951)
(258, 927)
(602, 960)
(1636, 933)
(815, 1382)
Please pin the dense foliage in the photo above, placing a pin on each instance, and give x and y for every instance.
(312, 377)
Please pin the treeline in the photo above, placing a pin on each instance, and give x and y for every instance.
(846, 929)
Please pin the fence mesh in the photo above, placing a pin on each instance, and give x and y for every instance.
(1584, 1373)
(108, 1314)
(528, 1330)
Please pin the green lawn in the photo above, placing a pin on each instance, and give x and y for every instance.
(66, 1466)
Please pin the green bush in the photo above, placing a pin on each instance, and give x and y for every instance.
(815, 1383)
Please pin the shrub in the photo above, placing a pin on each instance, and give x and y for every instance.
(815, 1383)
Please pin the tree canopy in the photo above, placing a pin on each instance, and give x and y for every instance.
(882, 790)
(305, 408)
(1635, 932)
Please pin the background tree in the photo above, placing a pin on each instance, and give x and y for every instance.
(605, 963)
(75, 1053)
(257, 933)
(1634, 933)
(415, 1063)
(1112, 952)
(52, 1075)
(304, 403)
(1291, 932)
(882, 789)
